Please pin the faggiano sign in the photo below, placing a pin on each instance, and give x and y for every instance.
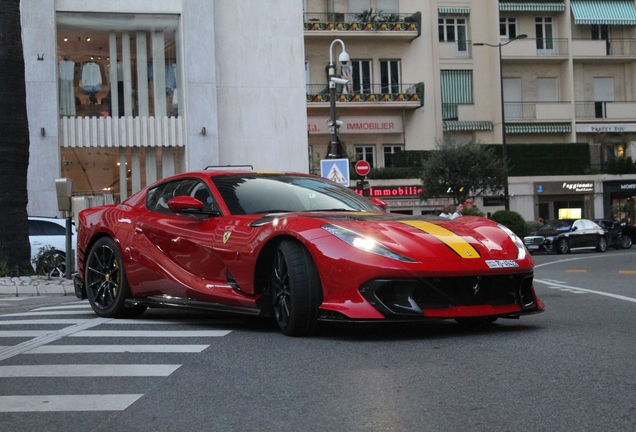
(374, 124)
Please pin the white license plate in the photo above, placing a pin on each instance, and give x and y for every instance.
(501, 263)
(532, 247)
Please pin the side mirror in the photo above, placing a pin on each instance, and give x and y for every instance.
(379, 203)
(575, 228)
(185, 204)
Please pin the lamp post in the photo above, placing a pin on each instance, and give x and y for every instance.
(504, 150)
(336, 151)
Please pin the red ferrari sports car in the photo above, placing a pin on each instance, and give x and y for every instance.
(298, 248)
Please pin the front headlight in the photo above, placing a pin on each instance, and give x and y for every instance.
(364, 243)
(521, 249)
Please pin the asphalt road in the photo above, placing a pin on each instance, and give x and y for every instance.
(570, 368)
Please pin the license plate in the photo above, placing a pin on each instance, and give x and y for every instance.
(501, 263)
(532, 247)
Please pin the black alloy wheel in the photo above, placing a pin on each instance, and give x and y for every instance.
(106, 282)
(601, 244)
(295, 289)
(626, 242)
(52, 263)
(562, 246)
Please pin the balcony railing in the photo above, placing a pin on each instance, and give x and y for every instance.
(617, 110)
(544, 111)
(457, 49)
(536, 47)
(363, 22)
(608, 47)
(369, 93)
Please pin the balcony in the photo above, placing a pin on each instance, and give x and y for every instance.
(409, 96)
(543, 111)
(605, 110)
(536, 47)
(582, 48)
(365, 24)
(456, 50)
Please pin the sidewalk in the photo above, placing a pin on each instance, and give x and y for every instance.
(25, 286)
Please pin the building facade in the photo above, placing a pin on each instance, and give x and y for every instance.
(558, 71)
(122, 93)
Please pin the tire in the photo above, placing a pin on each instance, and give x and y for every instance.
(562, 246)
(601, 244)
(52, 263)
(626, 242)
(106, 282)
(295, 289)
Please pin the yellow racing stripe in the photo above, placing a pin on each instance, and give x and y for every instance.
(452, 240)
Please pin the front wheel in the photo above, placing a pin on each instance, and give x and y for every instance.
(601, 244)
(626, 242)
(295, 289)
(562, 246)
(106, 282)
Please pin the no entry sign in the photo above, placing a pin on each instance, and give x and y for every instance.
(363, 168)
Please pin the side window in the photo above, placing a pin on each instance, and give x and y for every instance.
(51, 228)
(34, 228)
(577, 225)
(158, 197)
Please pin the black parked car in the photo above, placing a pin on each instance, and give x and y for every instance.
(621, 235)
(564, 235)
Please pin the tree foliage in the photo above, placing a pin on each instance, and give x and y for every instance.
(459, 170)
(513, 221)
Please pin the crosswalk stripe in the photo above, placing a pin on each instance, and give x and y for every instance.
(151, 333)
(66, 306)
(87, 370)
(72, 312)
(25, 333)
(82, 349)
(117, 321)
(58, 403)
(43, 321)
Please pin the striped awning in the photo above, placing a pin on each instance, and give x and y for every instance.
(467, 125)
(532, 6)
(602, 12)
(453, 10)
(538, 128)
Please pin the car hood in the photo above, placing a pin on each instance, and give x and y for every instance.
(424, 237)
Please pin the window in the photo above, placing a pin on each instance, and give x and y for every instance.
(457, 88)
(362, 76)
(390, 76)
(307, 76)
(367, 153)
(389, 151)
(508, 27)
(547, 90)
(543, 27)
(357, 6)
(600, 31)
(453, 30)
(158, 197)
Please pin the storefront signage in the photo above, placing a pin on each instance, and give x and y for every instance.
(628, 186)
(359, 125)
(565, 187)
(604, 127)
(390, 191)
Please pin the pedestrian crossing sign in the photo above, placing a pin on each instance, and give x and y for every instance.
(336, 170)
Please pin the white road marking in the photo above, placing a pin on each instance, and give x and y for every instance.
(25, 333)
(87, 370)
(562, 286)
(151, 333)
(57, 403)
(67, 306)
(91, 349)
(88, 312)
(43, 321)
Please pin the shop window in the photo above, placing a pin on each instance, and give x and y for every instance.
(388, 152)
(367, 153)
(128, 72)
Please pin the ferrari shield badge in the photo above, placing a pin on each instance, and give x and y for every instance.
(226, 236)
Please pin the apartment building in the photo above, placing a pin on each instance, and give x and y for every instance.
(558, 71)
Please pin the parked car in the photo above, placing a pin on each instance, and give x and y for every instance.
(565, 235)
(299, 248)
(621, 235)
(47, 232)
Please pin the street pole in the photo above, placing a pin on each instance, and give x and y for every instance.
(504, 149)
(336, 151)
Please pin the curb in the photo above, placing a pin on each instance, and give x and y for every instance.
(35, 286)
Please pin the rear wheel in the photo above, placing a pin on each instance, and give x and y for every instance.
(626, 242)
(601, 244)
(562, 246)
(52, 263)
(295, 289)
(106, 282)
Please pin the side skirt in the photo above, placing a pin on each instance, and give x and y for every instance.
(182, 303)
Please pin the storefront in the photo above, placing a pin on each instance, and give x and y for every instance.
(618, 200)
(565, 199)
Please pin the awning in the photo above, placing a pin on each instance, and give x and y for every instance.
(538, 128)
(532, 6)
(603, 12)
(453, 10)
(467, 125)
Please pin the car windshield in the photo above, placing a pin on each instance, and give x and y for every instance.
(277, 193)
(557, 226)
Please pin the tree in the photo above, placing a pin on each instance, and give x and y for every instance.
(462, 169)
(14, 144)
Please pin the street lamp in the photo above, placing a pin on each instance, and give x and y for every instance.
(503, 114)
(336, 151)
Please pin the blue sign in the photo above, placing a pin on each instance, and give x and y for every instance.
(336, 170)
